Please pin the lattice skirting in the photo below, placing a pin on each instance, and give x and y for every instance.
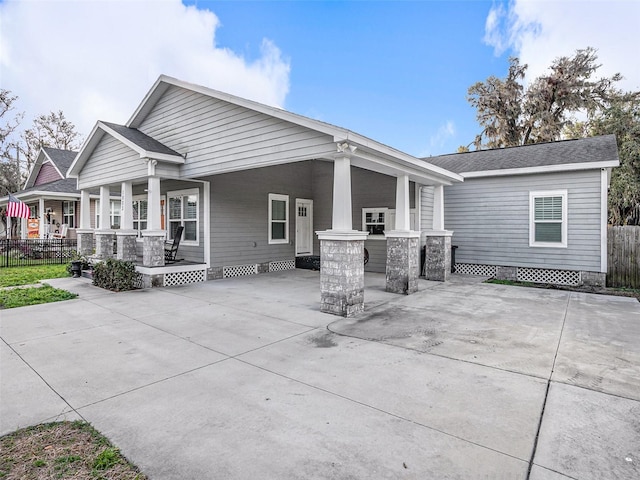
(282, 265)
(524, 274)
(239, 270)
(543, 275)
(184, 278)
(473, 269)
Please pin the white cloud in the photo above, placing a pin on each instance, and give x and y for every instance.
(437, 141)
(538, 32)
(95, 60)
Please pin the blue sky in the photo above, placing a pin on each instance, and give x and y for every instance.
(397, 72)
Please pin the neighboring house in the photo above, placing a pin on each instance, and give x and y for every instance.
(534, 213)
(251, 184)
(52, 198)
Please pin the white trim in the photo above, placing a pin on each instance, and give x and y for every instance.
(170, 269)
(342, 235)
(387, 226)
(402, 234)
(565, 220)
(604, 217)
(282, 198)
(183, 193)
(566, 167)
(309, 204)
(206, 215)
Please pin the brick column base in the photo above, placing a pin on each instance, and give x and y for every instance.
(403, 262)
(126, 245)
(342, 272)
(104, 244)
(153, 248)
(438, 256)
(85, 242)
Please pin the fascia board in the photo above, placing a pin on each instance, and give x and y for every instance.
(566, 167)
(141, 151)
(36, 166)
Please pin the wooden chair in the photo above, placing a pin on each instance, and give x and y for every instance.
(171, 248)
(63, 231)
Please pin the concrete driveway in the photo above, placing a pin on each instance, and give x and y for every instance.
(245, 378)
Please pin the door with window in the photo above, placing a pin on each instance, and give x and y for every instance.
(304, 226)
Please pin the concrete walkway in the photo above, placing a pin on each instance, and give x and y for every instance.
(245, 378)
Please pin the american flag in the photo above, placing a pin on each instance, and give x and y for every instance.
(16, 208)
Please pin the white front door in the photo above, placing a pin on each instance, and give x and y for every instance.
(304, 226)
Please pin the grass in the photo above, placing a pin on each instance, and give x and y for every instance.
(13, 276)
(21, 297)
(620, 292)
(64, 450)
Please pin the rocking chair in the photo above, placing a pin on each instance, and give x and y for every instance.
(171, 248)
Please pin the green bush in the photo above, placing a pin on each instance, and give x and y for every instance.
(75, 256)
(115, 275)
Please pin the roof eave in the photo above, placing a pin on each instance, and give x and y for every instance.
(565, 167)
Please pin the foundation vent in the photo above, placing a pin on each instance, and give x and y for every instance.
(543, 275)
(239, 270)
(184, 278)
(282, 265)
(473, 269)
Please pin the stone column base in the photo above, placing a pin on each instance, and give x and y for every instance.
(104, 244)
(403, 262)
(153, 248)
(85, 242)
(438, 256)
(342, 272)
(126, 245)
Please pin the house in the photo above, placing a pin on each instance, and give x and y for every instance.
(535, 213)
(253, 187)
(52, 198)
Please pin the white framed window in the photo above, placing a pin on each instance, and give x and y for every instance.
(548, 219)
(377, 221)
(139, 210)
(184, 208)
(374, 221)
(69, 213)
(278, 218)
(114, 214)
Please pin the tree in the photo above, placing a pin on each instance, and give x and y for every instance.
(9, 122)
(52, 130)
(511, 114)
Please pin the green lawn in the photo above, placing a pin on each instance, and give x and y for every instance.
(21, 297)
(12, 276)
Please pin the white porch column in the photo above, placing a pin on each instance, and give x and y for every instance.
(42, 217)
(153, 204)
(104, 233)
(126, 236)
(403, 216)
(438, 208)
(342, 220)
(85, 232)
(23, 228)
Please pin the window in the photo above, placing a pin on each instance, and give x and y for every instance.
(548, 219)
(183, 210)
(140, 213)
(114, 214)
(374, 220)
(69, 213)
(278, 218)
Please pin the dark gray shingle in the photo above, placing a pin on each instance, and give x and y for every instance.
(584, 150)
(62, 158)
(142, 140)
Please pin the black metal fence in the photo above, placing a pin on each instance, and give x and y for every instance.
(35, 251)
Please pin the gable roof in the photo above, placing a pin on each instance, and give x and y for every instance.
(580, 154)
(143, 144)
(60, 159)
(368, 148)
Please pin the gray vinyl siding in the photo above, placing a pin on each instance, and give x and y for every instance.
(218, 136)
(490, 220)
(111, 162)
(240, 213)
(426, 209)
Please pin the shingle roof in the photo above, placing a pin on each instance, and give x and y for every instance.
(142, 140)
(62, 158)
(584, 150)
(65, 185)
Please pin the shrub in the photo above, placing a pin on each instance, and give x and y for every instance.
(74, 256)
(115, 275)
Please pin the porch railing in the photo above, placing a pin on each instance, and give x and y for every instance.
(36, 251)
